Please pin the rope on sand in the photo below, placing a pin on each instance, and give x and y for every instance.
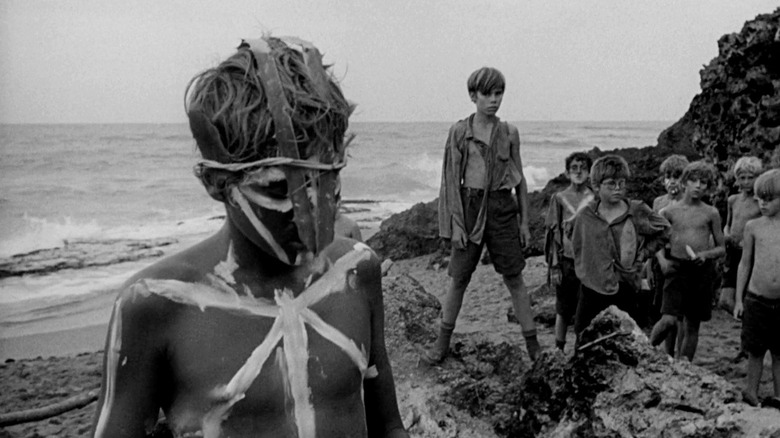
(38, 414)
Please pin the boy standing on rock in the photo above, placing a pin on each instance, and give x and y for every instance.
(558, 249)
(689, 267)
(483, 201)
(611, 237)
(758, 288)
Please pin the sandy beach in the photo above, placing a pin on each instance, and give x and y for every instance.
(42, 369)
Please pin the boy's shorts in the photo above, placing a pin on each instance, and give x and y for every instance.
(688, 289)
(760, 325)
(730, 266)
(590, 303)
(501, 236)
(567, 293)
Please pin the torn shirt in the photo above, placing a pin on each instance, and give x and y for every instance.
(607, 253)
(503, 170)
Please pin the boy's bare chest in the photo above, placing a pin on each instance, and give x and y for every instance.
(482, 133)
(745, 209)
(267, 353)
(695, 219)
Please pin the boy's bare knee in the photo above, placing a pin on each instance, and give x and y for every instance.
(514, 282)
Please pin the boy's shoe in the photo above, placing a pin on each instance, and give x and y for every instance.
(749, 399)
(441, 347)
(532, 344)
(771, 402)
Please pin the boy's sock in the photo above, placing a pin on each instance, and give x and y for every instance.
(531, 343)
(441, 347)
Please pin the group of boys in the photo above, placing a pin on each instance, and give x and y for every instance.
(595, 251)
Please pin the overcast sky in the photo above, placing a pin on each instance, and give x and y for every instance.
(104, 61)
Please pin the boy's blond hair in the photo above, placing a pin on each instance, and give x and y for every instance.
(674, 164)
(609, 166)
(767, 185)
(700, 171)
(748, 164)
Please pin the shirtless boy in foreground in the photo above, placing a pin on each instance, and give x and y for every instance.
(689, 266)
(269, 327)
(758, 289)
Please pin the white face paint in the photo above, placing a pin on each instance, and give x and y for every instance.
(253, 185)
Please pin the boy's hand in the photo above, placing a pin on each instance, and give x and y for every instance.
(458, 238)
(525, 235)
(738, 311)
(556, 276)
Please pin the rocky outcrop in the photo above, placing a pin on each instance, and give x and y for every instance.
(737, 111)
(82, 253)
(616, 385)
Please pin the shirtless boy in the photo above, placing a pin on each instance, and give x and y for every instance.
(742, 207)
(269, 327)
(484, 201)
(671, 169)
(558, 249)
(758, 288)
(689, 264)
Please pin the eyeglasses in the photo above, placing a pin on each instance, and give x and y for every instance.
(614, 184)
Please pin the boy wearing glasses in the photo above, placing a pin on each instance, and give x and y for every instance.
(688, 264)
(611, 238)
(270, 327)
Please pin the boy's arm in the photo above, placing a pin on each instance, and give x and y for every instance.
(382, 416)
(521, 191)
(729, 214)
(745, 267)
(451, 219)
(656, 229)
(133, 384)
(717, 236)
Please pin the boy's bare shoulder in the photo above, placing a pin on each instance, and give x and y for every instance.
(185, 266)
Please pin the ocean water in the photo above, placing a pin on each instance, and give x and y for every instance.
(104, 182)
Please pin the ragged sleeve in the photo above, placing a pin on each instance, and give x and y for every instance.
(450, 206)
(553, 238)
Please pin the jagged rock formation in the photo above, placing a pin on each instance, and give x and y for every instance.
(617, 385)
(82, 253)
(737, 111)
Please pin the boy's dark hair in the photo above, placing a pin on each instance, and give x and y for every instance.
(485, 80)
(767, 185)
(581, 157)
(609, 167)
(674, 164)
(234, 99)
(700, 171)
